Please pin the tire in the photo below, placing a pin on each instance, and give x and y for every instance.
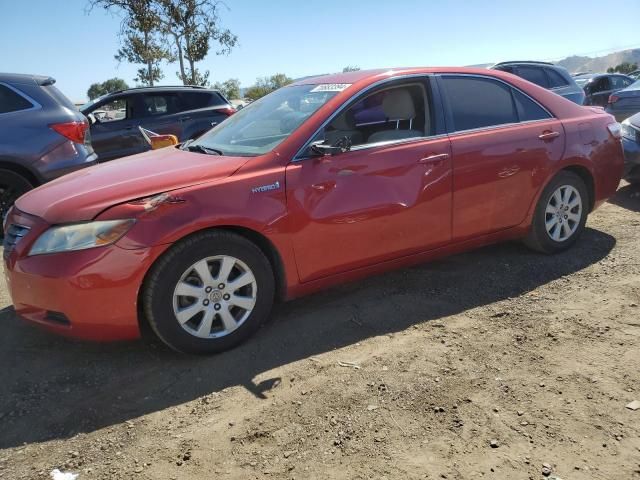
(12, 186)
(197, 316)
(545, 240)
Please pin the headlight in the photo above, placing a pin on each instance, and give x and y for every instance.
(628, 131)
(80, 236)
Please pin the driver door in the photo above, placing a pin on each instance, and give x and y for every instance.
(387, 197)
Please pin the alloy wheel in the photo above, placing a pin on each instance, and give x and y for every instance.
(214, 296)
(563, 213)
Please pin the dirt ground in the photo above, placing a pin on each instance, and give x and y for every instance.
(412, 374)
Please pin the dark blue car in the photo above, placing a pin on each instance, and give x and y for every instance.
(42, 135)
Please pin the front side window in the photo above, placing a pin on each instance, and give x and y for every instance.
(534, 75)
(112, 111)
(387, 114)
(478, 102)
(11, 101)
(265, 123)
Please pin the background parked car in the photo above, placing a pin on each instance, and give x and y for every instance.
(598, 86)
(42, 135)
(185, 112)
(547, 75)
(625, 102)
(631, 145)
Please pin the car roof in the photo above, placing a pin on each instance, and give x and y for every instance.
(364, 75)
(525, 62)
(23, 78)
(165, 88)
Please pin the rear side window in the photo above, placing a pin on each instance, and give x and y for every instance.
(528, 110)
(534, 75)
(11, 101)
(555, 79)
(163, 104)
(479, 102)
(195, 100)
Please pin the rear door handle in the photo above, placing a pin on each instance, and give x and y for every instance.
(435, 159)
(548, 135)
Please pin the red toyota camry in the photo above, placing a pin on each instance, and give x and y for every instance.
(326, 180)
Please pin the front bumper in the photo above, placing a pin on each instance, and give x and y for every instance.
(89, 294)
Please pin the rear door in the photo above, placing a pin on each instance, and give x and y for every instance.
(503, 143)
(160, 112)
(201, 111)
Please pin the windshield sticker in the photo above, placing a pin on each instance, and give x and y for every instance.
(331, 87)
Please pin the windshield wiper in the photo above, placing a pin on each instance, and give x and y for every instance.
(189, 146)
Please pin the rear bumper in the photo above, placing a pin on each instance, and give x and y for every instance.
(89, 294)
(63, 159)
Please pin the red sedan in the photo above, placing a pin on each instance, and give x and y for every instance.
(296, 192)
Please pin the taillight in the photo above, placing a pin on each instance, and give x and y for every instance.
(74, 131)
(613, 98)
(615, 129)
(228, 111)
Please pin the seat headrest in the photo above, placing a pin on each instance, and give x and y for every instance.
(398, 105)
(345, 121)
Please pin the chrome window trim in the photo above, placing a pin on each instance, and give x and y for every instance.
(498, 127)
(299, 154)
(35, 105)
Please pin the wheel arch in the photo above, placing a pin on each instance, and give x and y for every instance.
(261, 241)
(20, 170)
(587, 177)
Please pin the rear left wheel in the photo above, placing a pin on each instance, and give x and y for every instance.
(560, 215)
(209, 292)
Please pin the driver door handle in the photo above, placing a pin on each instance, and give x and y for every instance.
(435, 159)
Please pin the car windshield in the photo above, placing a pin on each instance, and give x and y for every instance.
(261, 126)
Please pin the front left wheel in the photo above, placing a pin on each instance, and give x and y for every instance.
(208, 292)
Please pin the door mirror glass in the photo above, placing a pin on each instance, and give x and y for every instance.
(162, 141)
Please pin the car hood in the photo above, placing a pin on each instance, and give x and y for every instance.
(82, 195)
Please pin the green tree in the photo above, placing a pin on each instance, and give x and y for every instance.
(112, 85)
(141, 39)
(229, 88)
(193, 26)
(350, 68)
(266, 85)
(624, 67)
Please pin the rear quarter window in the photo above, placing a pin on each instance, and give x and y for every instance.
(528, 110)
(195, 100)
(11, 101)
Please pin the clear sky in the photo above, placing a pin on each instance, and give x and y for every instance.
(306, 37)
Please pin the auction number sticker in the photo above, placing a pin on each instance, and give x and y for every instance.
(330, 87)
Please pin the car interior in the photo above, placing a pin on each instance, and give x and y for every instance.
(393, 113)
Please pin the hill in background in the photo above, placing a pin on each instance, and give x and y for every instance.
(600, 64)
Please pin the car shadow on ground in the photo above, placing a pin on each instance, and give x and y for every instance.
(627, 197)
(53, 388)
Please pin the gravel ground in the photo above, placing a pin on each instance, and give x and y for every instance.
(500, 363)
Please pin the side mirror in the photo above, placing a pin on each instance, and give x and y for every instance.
(162, 141)
(341, 146)
(92, 119)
